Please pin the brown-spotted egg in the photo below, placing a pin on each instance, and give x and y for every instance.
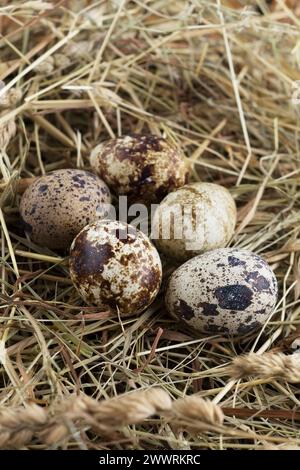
(143, 167)
(56, 206)
(115, 266)
(193, 219)
(227, 291)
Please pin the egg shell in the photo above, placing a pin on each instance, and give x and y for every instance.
(143, 167)
(226, 291)
(55, 207)
(210, 225)
(115, 266)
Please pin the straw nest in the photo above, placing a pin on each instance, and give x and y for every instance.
(220, 79)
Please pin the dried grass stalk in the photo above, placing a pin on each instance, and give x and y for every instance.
(195, 408)
(20, 426)
(8, 101)
(280, 447)
(169, 68)
(265, 366)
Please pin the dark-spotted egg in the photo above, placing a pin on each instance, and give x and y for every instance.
(226, 291)
(56, 206)
(143, 167)
(115, 266)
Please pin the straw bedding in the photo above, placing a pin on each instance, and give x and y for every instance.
(219, 79)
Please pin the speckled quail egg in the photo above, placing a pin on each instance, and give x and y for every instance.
(226, 291)
(115, 266)
(56, 206)
(143, 167)
(193, 219)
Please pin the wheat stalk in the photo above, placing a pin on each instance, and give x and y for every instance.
(20, 426)
(268, 365)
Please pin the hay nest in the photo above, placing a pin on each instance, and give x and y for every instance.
(220, 79)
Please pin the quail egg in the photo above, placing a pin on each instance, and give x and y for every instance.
(193, 219)
(115, 266)
(143, 167)
(227, 291)
(56, 206)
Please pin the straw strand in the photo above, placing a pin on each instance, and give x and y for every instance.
(268, 365)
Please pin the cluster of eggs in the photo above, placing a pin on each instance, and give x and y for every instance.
(115, 266)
